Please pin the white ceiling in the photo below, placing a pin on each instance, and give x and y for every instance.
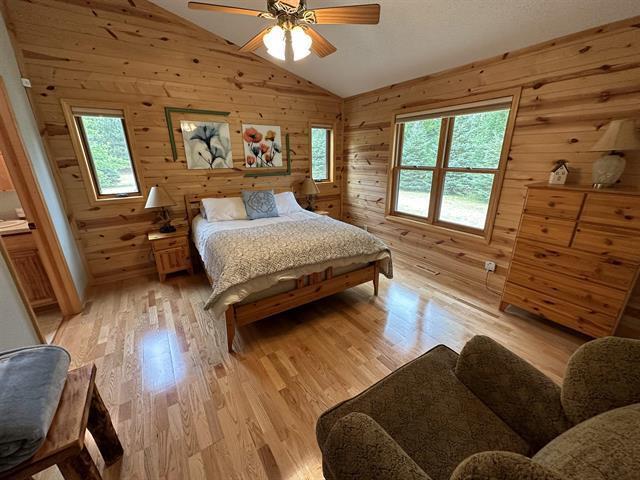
(417, 37)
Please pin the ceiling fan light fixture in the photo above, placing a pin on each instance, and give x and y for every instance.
(300, 43)
(275, 41)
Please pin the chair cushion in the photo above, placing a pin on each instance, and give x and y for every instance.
(604, 447)
(601, 375)
(31, 382)
(432, 416)
(526, 399)
(260, 204)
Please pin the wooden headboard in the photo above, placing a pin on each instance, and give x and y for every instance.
(192, 200)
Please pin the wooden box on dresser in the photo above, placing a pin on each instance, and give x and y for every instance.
(576, 256)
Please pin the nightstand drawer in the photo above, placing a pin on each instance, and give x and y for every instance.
(173, 259)
(167, 243)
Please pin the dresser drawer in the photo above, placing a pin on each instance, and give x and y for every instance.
(612, 209)
(597, 268)
(611, 241)
(547, 229)
(166, 243)
(573, 290)
(560, 311)
(552, 203)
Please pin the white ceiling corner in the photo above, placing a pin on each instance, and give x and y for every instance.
(416, 37)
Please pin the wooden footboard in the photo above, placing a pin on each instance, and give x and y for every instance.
(308, 289)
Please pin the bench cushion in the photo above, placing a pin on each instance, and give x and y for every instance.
(31, 381)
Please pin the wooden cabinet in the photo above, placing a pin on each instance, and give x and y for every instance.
(576, 256)
(171, 251)
(26, 261)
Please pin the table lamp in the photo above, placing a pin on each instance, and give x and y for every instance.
(159, 198)
(310, 189)
(620, 135)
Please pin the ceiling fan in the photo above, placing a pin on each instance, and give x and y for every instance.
(292, 31)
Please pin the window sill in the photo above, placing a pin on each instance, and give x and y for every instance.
(103, 201)
(483, 237)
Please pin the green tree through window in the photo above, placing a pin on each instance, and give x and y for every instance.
(321, 154)
(461, 152)
(106, 143)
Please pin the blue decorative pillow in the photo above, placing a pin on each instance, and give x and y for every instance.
(260, 204)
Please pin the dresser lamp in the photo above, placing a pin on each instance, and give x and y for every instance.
(620, 135)
(159, 198)
(310, 189)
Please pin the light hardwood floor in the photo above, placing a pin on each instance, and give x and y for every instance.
(185, 408)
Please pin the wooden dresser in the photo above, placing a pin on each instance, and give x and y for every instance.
(576, 256)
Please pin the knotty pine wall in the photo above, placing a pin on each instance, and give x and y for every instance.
(571, 88)
(137, 54)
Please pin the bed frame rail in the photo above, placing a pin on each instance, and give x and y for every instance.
(308, 289)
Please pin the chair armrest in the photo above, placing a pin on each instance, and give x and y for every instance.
(522, 396)
(358, 448)
(502, 466)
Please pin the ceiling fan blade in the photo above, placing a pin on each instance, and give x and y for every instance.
(355, 14)
(256, 41)
(224, 9)
(320, 46)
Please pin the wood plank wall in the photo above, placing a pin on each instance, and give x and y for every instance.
(137, 54)
(571, 88)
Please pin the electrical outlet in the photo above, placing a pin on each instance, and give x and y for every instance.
(489, 266)
(26, 83)
(366, 228)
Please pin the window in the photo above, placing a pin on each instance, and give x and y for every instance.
(448, 162)
(102, 141)
(321, 153)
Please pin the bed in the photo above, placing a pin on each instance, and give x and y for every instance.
(258, 268)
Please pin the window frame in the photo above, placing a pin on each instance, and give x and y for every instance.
(331, 133)
(467, 105)
(72, 110)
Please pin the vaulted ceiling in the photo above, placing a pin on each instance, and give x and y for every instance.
(416, 37)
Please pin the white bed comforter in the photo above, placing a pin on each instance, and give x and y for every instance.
(237, 271)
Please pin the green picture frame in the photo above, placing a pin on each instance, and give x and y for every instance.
(268, 172)
(168, 111)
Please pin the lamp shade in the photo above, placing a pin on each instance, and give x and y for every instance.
(309, 187)
(158, 197)
(620, 135)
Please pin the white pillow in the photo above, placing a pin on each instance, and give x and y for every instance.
(286, 203)
(218, 209)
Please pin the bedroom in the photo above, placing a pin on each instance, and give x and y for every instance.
(365, 135)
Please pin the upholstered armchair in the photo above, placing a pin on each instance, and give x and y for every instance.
(488, 414)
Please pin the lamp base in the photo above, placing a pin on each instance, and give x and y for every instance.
(607, 170)
(167, 228)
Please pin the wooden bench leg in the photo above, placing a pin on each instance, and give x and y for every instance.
(230, 318)
(80, 467)
(101, 428)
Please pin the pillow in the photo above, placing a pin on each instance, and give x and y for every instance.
(203, 212)
(286, 203)
(217, 209)
(260, 204)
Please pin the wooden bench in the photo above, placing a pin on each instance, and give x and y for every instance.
(80, 408)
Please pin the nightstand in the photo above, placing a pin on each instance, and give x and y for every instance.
(321, 212)
(171, 251)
